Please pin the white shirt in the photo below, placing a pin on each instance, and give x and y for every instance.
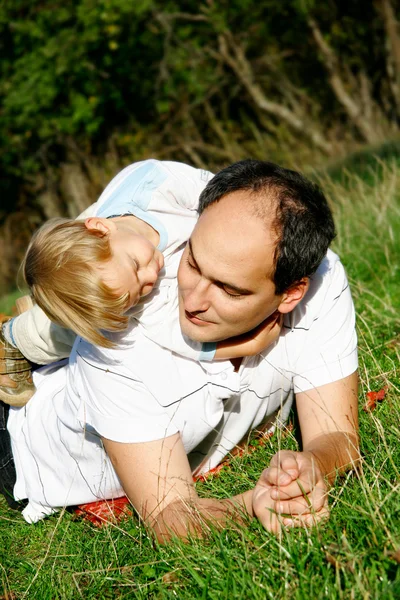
(146, 392)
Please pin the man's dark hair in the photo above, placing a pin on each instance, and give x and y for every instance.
(303, 220)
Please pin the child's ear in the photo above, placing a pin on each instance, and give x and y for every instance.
(294, 295)
(98, 224)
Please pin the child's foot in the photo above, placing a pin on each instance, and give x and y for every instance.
(16, 385)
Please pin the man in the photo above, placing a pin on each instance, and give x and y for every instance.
(261, 234)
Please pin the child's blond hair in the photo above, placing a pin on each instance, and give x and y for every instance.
(61, 270)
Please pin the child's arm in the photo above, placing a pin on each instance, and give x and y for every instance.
(253, 342)
(38, 339)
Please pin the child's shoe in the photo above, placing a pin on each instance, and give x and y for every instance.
(16, 385)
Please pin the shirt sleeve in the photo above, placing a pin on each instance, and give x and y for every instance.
(330, 351)
(40, 340)
(185, 183)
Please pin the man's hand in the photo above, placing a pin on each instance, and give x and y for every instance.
(290, 492)
(293, 491)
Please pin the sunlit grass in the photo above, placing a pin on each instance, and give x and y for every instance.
(353, 556)
(7, 303)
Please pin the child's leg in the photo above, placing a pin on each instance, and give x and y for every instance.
(7, 468)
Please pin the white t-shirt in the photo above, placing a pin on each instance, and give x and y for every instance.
(146, 392)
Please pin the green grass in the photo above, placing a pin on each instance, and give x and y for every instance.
(7, 303)
(369, 163)
(351, 556)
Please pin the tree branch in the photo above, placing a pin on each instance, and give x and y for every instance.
(234, 55)
(393, 48)
(331, 63)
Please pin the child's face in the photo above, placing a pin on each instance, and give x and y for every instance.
(134, 266)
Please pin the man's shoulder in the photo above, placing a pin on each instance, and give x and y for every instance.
(182, 170)
(181, 187)
(129, 346)
(327, 285)
(328, 265)
(329, 278)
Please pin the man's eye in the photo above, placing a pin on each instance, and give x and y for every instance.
(189, 264)
(235, 295)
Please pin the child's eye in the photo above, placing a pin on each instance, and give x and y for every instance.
(136, 264)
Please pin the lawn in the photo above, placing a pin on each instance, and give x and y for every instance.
(355, 555)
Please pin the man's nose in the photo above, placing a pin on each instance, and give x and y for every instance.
(196, 299)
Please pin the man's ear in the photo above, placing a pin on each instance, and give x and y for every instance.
(104, 226)
(294, 295)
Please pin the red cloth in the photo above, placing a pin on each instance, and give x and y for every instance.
(105, 511)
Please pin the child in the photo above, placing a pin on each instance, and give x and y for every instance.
(100, 275)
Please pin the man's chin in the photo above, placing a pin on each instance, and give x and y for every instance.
(197, 333)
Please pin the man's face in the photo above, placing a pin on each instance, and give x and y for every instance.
(225, 284)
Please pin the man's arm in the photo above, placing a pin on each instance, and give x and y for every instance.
(157, 479)
(328, 418)
(293, 490)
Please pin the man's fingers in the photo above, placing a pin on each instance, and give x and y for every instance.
(296, 488)
(289, 464)
(301, 505)
(282, 470)
(274, 522)
(275, 476)
(271, 521)
(297, 512)
(263, 507)
(307, 520)
(286, 461)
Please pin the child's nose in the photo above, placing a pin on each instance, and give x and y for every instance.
(152, 274)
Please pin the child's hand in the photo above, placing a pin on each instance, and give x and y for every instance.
(264, 335)
(253, 342)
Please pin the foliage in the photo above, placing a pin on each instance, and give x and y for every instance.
(88, 86)
(82, 69)
(68, 69)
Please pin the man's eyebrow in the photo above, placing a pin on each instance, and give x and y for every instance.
(192, 254)
(223, 284)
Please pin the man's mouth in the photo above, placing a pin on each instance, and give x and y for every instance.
(196, 320)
